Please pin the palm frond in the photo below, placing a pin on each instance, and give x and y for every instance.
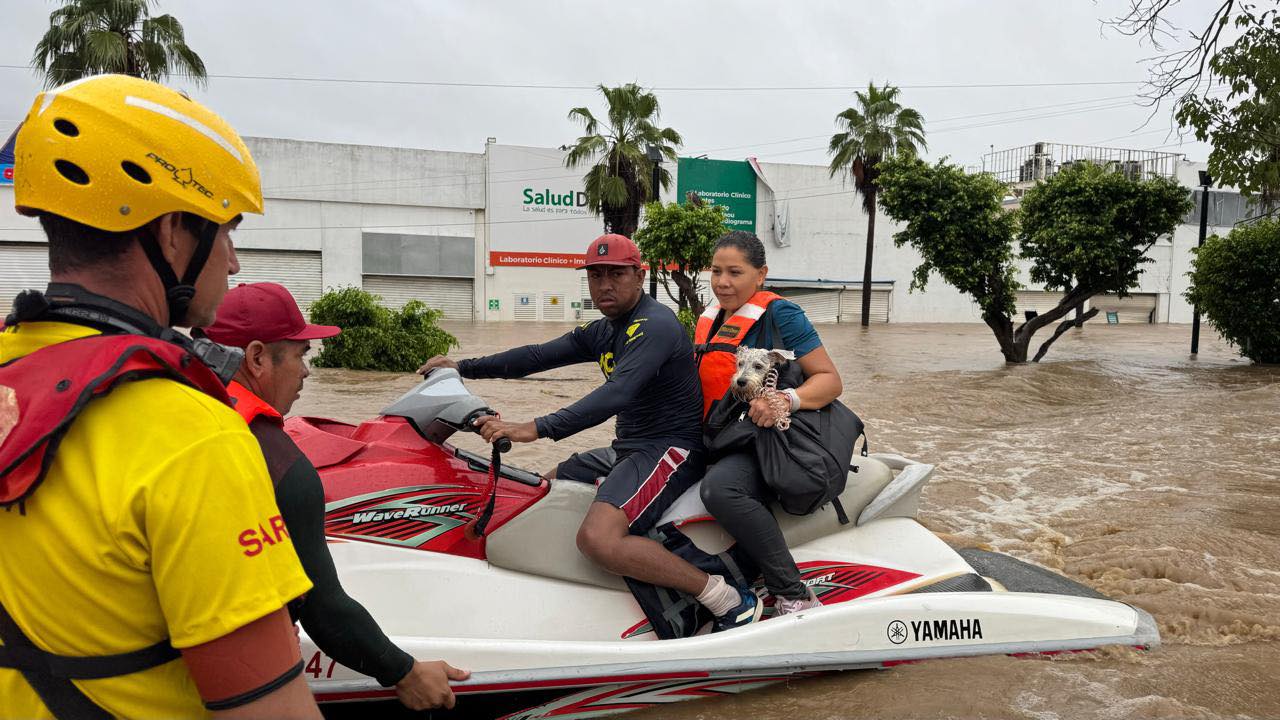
(876, 127)
(106, 51)
(92, 36)
(584, 116)
(613, 190)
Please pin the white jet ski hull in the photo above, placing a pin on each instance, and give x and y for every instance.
(520, 632)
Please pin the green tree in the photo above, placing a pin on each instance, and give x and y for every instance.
(90, 37)
(375, 337)
(1235, 282)
(1084, 231)
(677, 240)
(618, 180)
(1244, 126)
(877, 129)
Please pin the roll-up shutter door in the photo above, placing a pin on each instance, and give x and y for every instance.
(552, 306)
(1042, 301)
(300, 272)
(525, 306)
(589, 311)
(453, 296)
(851, 305)
(1131, 309)
(820, 306)
(23, 266)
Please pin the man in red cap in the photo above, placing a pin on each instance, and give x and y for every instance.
(264, 320)
(651, 385)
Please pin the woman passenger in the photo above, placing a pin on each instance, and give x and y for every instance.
(733, 489)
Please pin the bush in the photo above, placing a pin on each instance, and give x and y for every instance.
(689, 320)
(1235, 281)
(375, 337)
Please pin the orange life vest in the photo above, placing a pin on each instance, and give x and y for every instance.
(250, 406)
(717, 359)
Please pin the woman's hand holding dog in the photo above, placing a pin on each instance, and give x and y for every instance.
(762, 412)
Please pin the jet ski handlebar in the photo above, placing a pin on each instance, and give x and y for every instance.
(441, 405)
(472, 424)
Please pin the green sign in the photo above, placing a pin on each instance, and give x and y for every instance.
(728, 183)
(1113, 317)
(493, 303)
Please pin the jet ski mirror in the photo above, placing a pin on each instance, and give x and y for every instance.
(441, 405)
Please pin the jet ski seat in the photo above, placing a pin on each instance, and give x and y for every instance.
(543, 539)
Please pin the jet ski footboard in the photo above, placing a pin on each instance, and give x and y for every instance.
(1018, 576)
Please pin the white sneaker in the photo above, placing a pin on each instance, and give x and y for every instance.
(786, 606)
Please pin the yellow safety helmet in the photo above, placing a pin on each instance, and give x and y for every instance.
(115, 152)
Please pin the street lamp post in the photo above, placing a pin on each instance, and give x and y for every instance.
(654, 153)
(1205, 183)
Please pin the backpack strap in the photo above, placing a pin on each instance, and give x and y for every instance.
(772, 334)
(841, 515)
(50, 674)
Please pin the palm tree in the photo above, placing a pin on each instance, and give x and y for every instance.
(88, 37)
(878, 128)
(619, 181)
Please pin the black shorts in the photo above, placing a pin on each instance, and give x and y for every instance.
(642, 482)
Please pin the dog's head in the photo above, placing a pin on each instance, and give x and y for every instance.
(754, 365)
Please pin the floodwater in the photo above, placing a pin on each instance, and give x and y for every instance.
(1119, 461)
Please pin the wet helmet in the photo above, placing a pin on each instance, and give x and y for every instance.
(115, 152)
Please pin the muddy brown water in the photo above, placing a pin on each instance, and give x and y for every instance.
(1120, 462)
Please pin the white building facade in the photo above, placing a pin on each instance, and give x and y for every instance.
(495, 235)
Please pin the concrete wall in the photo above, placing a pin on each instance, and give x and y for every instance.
(827, 232)
(334, 228)
(321, 197)
(367, 174)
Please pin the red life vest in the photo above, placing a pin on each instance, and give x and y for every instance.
(717, 359)
(41, 394)
(250, 406)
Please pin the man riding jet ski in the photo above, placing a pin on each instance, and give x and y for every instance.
(651, 385)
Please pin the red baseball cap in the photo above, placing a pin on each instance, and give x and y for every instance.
(612, 249)
(265, 312)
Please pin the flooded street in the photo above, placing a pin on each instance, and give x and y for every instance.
(1119, 462)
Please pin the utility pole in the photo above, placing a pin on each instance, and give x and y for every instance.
(654, 153)
(1205, 183)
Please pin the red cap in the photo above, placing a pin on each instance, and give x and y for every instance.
(265, 312)
(612, 249)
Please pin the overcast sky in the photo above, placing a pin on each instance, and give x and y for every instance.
(698, 57)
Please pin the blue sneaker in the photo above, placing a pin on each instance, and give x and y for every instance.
(747, 612)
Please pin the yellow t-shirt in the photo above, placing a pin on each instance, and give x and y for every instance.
(155, 520)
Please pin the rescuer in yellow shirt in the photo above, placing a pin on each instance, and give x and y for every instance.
(144, 566)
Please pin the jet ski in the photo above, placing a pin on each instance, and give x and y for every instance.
(520, 607)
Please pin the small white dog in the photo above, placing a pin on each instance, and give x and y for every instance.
(757, 377)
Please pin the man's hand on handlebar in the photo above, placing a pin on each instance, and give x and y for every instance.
(437, 361)
(491, 428)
